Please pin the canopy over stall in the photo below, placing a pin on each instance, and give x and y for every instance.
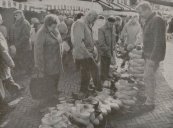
(70, 6)
(162, 2)
(22, 6)
(114, 8)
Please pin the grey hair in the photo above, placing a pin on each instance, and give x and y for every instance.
(144, 5)
(34, 20)
(51, 19)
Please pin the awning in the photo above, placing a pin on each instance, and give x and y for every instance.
(117, 13)
(21, 6)
(162, 2)
(70, 5)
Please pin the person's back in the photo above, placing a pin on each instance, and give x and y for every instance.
(170, 28)
(3, 30)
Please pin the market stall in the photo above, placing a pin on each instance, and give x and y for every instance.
(7, 7)
(64, 7)
(116, 9)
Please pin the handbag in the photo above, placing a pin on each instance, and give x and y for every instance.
(42, 88)
(113, 59)
(65, 47)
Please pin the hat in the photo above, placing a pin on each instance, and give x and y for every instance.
(101, 17)
(111, 19)
(18, 11)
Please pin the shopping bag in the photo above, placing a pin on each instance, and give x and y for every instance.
(42, 88)
(12, 51)
(65, 47)
(113, 58)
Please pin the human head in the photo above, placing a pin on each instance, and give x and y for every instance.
(69, 22)
(91, 16)
(18, 14)
(110, 22)
(159, 13)
(118, 20)
(34, 21)
(51, 21)
(144, 9)
(61, 18)
(79, 15)
(1, 19)
(134, 19)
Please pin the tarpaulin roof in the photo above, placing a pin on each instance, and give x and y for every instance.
(70, 5)
(161, 2)
(21, 6)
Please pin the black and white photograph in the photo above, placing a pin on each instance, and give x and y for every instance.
(86, 64)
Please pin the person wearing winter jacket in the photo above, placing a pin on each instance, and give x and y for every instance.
(154, 48)
(106, 39)
(130, 31)
(20, 38)
(170, 28)
(3, 29)
(83, 48)
(47, 49)
(6, 63)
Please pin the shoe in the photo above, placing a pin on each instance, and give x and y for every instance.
(91, 87)
(142, 99)
(104, 91)
(123, 65)
(19, 92)
(75, 122)
(79, 96)
(145, 108)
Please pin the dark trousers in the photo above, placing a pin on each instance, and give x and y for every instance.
(55, 78)
(11, 86)
(89, 69)
(3, 105)
(25, 60)
(105, 64)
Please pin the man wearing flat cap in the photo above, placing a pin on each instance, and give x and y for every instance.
(106, 39)
(20, 39)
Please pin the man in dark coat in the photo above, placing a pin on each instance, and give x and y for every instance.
(154, 47)
(106, 39)
(20, 38)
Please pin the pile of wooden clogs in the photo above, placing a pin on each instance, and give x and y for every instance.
(89, 112)
(136, 63)
(126, 93)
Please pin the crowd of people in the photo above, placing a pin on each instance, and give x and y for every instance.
(91, 38)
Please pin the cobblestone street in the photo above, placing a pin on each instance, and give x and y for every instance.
(27, 115)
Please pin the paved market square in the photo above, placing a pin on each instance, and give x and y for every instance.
(27, 113)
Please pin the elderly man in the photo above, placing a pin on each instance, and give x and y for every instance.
(154, 42)
(106, 39)
(82, 39)
(20, 38)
